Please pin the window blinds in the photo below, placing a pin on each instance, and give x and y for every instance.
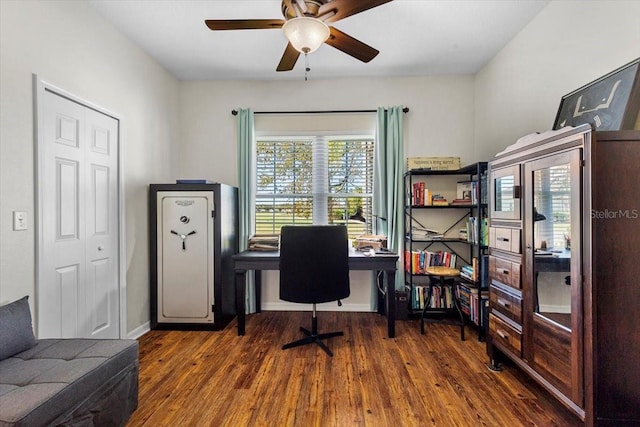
(316, 180)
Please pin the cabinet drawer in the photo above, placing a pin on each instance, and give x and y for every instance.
(507, 304)
(505, 271)
(505, 334)
(505, 239)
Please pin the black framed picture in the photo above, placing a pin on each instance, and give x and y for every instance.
(611, 102)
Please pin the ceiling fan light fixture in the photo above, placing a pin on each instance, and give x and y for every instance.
(305, 34)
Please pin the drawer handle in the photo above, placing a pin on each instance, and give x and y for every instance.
(503, 239)
(502, 334)
(503, 303)
(504, 271)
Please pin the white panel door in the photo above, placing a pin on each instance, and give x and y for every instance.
(77, 290)
(101, 225)
(185, 257)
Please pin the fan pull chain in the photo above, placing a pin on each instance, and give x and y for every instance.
(306, 66)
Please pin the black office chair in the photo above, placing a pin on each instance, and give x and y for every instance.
(314, 268)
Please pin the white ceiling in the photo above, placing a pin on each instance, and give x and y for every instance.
(414, 37)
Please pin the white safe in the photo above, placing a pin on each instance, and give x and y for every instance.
(193, 234)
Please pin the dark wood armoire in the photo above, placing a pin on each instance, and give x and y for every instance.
(565, 268)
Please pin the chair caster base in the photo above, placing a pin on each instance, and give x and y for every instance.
(314, 338)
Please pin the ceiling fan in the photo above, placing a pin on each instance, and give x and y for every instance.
(305, 26)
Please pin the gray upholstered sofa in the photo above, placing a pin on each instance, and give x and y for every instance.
(69, 382)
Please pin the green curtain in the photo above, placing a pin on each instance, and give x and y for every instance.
(246, 197)
(388, 197)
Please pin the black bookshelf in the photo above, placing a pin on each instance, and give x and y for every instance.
(418, 211)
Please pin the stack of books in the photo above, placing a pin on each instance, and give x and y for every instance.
(425, 234)
(468, 272)
(365, 242)
(439, 200)
(264, 242)
(471, 272)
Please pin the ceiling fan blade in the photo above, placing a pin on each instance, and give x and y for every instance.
(243, 24)
(351, 46)
(345, 8)
(289, 59)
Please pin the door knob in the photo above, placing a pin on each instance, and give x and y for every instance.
(100, 247)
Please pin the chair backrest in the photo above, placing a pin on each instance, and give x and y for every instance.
(314, 263)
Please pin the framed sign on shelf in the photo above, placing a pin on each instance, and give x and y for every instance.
(611, 102)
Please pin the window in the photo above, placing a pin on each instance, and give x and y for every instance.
(314, 180)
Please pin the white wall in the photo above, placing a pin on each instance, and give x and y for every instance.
(67, 44)
(569, 44)
(173, 129)
(439, 123)
(566, 46)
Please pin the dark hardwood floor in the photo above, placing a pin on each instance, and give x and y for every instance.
(195, 378)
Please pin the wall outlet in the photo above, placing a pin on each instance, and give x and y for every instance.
(19, 220)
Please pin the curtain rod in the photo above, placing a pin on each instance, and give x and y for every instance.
(235, 112)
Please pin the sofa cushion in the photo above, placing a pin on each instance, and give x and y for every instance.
(16, 333)
(56, 376)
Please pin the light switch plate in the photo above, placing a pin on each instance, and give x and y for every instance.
(19, 220)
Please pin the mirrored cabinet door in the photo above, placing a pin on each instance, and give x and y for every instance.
(505, 192)
(552, 229)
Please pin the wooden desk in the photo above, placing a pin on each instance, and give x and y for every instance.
(553, 261)
(258, 261)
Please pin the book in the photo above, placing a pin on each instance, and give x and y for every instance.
(420, 195)
(474, 192)
(464, 191)
(264, 242)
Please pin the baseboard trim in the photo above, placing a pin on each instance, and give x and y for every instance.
(331, 306)
(139, 331)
